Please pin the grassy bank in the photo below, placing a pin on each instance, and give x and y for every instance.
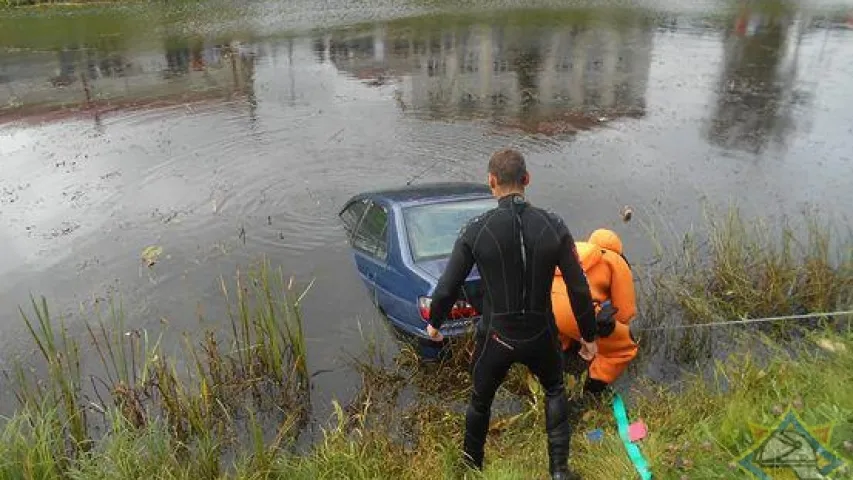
(697, 433)
(235, 412)
(736, 268)
(205, 404)
(118, 26)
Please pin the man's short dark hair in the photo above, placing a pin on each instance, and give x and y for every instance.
(508, 167)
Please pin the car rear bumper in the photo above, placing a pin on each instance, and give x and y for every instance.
(450, 329)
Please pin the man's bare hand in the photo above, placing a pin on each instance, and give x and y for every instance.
(434, 333)
(588, 350)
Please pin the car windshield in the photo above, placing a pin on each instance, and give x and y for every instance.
(433, 229)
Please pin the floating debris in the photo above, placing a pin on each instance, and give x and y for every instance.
(166, 217)
(151, 254)
(336, 135)
(66, 229)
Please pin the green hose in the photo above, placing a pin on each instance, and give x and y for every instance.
(634, 452)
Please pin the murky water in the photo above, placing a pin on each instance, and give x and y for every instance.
(222, 135)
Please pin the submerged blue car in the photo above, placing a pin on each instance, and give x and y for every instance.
(402, 240)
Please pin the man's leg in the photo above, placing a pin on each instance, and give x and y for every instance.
(544, 359)
(490, 365)
(595, 387)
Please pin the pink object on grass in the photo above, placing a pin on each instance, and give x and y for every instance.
(637, 431)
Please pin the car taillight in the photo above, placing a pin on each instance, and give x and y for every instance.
(423, 307)
(461, 309)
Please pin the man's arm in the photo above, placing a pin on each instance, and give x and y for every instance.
(455, 273)
(576, 285)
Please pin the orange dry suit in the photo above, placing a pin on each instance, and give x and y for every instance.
(609, 277)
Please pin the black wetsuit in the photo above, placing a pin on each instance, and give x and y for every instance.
(516, 248)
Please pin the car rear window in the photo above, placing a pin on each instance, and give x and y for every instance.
(433, 229)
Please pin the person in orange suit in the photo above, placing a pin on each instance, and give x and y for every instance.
(612, 286)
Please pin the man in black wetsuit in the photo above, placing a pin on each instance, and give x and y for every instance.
(516, 247)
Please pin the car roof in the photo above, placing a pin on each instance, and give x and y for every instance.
(426, 192)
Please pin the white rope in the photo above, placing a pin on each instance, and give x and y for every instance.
(743, 321)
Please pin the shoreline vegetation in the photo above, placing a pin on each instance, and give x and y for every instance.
(235, 406)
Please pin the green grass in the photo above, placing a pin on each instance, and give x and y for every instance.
(256, 367)
(739, 268)
(698, 432)
(118, 26)
(701, 430)
(407, 420)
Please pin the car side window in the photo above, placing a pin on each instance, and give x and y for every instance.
(371, 236)
(352, 214)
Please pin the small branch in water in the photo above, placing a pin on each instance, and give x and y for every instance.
(336, 135)
(304, 292)
(322, 371)
(92, 378)
(86, 89)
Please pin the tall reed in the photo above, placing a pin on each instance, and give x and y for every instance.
(738, 269)
(257, 365)
(61, 354)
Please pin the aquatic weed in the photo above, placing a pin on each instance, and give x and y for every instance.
(261, 367)
(62, 356)
(737, 269)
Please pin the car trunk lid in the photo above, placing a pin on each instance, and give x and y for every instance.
(472, 291)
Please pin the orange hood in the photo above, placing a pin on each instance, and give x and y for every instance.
(608, 239)
(589, 254)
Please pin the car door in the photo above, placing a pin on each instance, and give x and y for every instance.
(370, 244)
(351, 215)
(394, 290)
